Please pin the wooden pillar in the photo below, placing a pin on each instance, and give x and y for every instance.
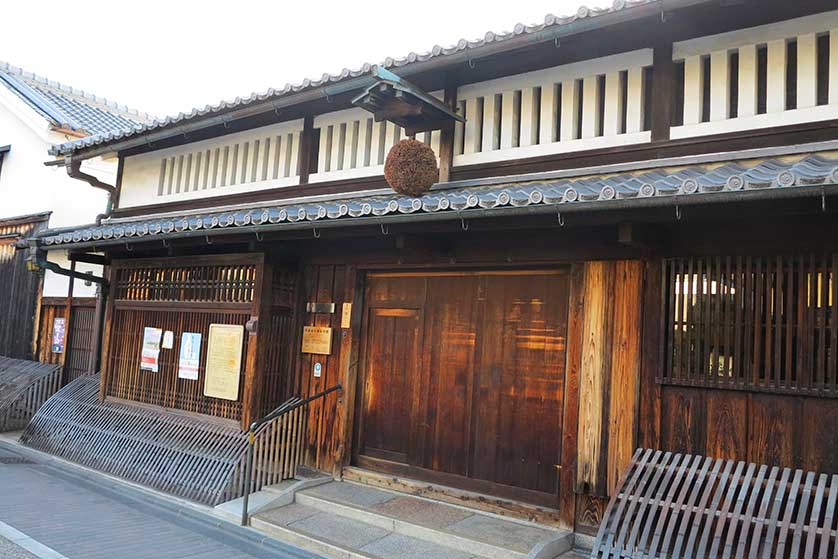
(68, 315)
(649, 414)
(662, 91)
(446, 139)
(570, 415)
(349, 346)
(304, 158)
(102, 327)
(254, 367)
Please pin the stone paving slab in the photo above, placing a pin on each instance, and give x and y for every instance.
(287, 515)
(337, 529)
(422, 512)
(350, 494)
(405, 547)
(513, 535)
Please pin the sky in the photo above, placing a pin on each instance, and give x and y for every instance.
(166, 57)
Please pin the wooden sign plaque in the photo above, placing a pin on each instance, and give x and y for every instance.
(317, 339)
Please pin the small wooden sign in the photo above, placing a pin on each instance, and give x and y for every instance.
(346, 316)
(317, 339)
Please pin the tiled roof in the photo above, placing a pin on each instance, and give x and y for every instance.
(67, 107)
(490, 38)
(672, 184)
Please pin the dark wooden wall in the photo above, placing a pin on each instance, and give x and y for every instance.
(20, 289)
(79, 340)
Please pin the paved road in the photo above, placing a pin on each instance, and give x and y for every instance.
(49, 513)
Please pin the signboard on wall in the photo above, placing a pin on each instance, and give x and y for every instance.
(317, 339)
(59, 329)
(150, 356)
(190, 355)
(224, 360)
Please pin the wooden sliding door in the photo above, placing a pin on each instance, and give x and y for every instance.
(463, 376)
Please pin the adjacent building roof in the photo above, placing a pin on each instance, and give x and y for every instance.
(67, 107)
(552, 27)
(671, 183)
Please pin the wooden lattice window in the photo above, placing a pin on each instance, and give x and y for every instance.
(752, 323)
(193, 281)
(184, 294)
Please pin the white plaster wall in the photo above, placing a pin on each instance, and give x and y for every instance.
(27, 186)
(144, 181)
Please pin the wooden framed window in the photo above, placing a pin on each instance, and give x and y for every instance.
(757, 323)
(184, 294)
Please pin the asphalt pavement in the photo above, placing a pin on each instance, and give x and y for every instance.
(52, 510)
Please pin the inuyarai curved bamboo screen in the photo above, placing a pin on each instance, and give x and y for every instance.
(761, 323)
(180, 295)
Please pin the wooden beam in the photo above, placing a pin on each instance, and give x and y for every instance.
(446, 140)
(662, 91)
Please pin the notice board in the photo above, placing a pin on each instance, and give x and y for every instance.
(224, 360)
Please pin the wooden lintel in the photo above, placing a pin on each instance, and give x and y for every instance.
(638, 235)
(88, 258)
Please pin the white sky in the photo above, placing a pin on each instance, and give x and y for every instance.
(168, 57)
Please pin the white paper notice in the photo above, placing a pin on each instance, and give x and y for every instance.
(190, 355)
(168, 339)
(150, 357)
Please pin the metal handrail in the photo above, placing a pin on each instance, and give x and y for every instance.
(286, 407)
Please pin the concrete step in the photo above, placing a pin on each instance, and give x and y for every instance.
(271, 496)
(338, 537)
(457, 528)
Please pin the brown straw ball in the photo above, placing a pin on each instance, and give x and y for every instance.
(411, 168)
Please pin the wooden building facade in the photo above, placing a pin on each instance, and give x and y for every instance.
(632, 243)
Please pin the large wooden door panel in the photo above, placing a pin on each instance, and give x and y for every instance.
(520, 378)
(449, 343)
(392, 365)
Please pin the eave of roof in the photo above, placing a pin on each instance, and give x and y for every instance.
(803, 174)
(552, 28)
(27, 218)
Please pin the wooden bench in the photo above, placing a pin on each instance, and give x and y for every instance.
(683, 506)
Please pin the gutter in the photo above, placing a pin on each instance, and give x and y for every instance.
(73, 166)
(313, 93)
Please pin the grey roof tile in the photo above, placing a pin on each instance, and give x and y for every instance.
(696, 180)
(68, 107)
(489, 38)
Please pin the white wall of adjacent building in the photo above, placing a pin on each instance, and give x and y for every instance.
(28, 187)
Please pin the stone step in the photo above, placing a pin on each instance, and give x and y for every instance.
(338, 537)
(454, 527)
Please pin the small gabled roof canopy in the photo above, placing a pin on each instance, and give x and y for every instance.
(749, 175)
(66, 107)
(328, 85)
(397, 100)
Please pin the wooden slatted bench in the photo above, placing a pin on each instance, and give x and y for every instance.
(24, 386)
(683, 506)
